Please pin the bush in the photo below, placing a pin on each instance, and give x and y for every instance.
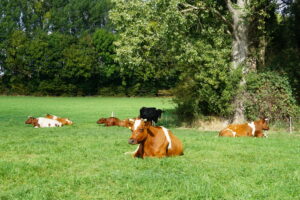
(202, 94)
(269, 94)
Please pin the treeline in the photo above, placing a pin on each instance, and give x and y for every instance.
(55, 47)
(226, 58)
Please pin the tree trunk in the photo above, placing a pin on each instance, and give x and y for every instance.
(239, 54)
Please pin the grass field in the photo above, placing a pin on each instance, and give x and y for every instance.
(87, 161)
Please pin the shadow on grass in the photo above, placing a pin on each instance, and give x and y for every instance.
(169, 118)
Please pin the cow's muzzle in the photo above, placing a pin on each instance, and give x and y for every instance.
(132, 141)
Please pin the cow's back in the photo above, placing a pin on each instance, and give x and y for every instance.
(236, 130)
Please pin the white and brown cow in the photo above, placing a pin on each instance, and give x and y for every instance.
(42, 122)
(153, 141)
(253, 129)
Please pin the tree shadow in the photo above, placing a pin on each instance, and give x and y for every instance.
(169, 118)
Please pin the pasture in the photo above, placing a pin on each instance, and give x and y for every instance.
(87, 161)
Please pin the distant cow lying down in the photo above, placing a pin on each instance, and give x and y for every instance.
(154, 141)
(253, 129)
(110, 121)
(64, 121)
(42, 122)
(113, 121)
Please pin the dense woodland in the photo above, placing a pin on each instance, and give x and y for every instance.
(237, 59)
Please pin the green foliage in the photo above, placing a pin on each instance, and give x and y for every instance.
(158, 39)
(150, 37)
(269, 95)
(287, 62)
(283, 50)
(207, 89)
(103, 43)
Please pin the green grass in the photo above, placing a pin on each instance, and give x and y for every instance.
(87, 161)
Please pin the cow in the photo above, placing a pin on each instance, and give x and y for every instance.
(42, 122)
(150, 114)
(154, 141)
(253, 129)
(111, 121)
(64, 121)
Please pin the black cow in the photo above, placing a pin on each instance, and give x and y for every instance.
(151, 114)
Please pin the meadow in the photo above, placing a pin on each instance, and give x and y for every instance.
(87, 160)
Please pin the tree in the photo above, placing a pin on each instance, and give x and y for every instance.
(242, 13)
(163, 39)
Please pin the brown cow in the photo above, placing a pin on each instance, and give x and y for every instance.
(64, 121)
(111, 121)
(253, 129)
(154, 141)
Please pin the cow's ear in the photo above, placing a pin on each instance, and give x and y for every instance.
(148, 124)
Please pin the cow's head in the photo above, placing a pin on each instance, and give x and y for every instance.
(262, 124)
(159, 112)
(68, 121)
(101, 121)
(31, 120)
(139, 131)
(49, 116)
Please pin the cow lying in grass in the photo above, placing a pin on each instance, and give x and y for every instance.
(253, 129)
(42, 122)
(113, 121)
(154, 141)
(110, 121)
(64, 121)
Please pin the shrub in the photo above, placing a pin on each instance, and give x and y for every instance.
(269, 94)
(206, 91)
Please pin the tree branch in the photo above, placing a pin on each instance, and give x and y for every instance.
(203, 6)
(230, 7)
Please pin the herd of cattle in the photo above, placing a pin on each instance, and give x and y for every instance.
(154, 141)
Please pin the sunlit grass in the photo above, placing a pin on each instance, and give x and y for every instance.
(87, 161)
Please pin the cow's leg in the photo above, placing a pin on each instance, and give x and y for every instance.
(138, 152)
(133, 152)
(160, 154)
(259, 134)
